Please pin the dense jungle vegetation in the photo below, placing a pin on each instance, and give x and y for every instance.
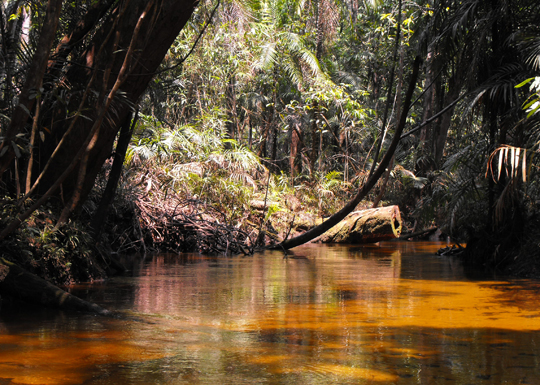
(129, 126)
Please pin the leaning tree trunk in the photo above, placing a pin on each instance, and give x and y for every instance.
(126, 131)
(114, 63)
(158, 26)
(371, 181)
(23, 286)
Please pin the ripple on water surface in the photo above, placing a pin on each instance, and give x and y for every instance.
(389, 314)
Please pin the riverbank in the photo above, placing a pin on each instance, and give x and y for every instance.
(226, 219)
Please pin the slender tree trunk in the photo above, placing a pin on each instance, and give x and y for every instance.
(379, 142)
(32, 84)
(264, 140)
(32, 143)
(398, 103)
(295, 160)
(315, 137)
(371, 181)
(346, 156)
(273, 147)
(354, 10)
(439, 140)
(250, 135)
(100, 215)
(429, 100)
(88, 143)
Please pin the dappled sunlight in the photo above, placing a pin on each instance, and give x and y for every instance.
(72, 359)
(360, 373)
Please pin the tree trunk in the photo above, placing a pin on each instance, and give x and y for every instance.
(398, 102)
(366, 226)
(295, 157)
(425, 162)
(441, 135)
(21, 285)
(32, 84)
(106, 79)
(371, 181)
(315, 137)
(158, 31)
(380, 141)
(114, 175)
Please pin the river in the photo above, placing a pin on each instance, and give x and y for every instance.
(391, 314)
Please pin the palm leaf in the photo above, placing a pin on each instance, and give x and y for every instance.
(510, 158)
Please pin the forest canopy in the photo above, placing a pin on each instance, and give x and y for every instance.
(135, 125)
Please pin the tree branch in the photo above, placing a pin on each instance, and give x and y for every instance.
(372, 180)
(438, 114)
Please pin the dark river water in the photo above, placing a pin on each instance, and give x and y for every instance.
(389, 314)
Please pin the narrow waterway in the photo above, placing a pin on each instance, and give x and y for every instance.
(390, 314)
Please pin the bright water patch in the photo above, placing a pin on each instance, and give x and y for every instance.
(395, 314)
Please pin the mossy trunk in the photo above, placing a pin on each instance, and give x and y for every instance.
(366, 226)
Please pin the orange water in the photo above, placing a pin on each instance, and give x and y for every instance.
(394, 314)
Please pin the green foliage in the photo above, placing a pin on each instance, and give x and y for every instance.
(62, 255)
(532, 104)
(323, 196)
(332, 191)
(201, 164)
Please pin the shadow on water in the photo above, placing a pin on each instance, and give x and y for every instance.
(389, 314)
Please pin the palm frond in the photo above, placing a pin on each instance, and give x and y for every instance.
(511, 160)
(296, 45)
(268, 55)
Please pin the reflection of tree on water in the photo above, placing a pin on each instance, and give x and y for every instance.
(339, 315)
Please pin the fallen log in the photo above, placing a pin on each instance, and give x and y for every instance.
(365, 226)
(19, 284)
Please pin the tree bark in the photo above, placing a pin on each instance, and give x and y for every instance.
(114, 175)
(425, 163)
(32, 84)
(441, 135)
(295, 156)
(366, 226)
(21, 285)
(76, 36)
(113, 70)
(371, 181)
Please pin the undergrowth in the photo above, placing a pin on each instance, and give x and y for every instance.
(62, 255)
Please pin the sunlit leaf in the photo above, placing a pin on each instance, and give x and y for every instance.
(501, 157)
(524, 166)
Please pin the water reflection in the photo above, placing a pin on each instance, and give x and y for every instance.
(327, 314)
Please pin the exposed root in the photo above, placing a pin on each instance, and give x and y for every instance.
(182, 225)
(453, 250)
